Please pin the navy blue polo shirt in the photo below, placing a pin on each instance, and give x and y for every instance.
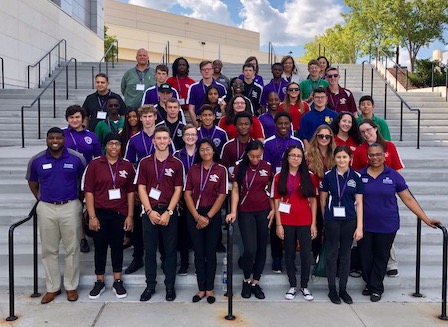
(313, 119)
(354, 185)
(380, 201)
(58, 178)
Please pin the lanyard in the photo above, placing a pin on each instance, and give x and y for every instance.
(341, 191)
(113, 173)
(141, 75)
(189, 161)
(144, 144)
(281, 150)
(238, 155)
(203, 183)
(113, 128)
(102, 101)
(203, 128)
(279, 86)
(249, 185)
(317, 84)
(333, 103)
(178, 84)
(158, 178)
(292, 183)
(74, 141)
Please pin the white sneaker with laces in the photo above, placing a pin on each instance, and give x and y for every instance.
(307, 294)
(291, 294)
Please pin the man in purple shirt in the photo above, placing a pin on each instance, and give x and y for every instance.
(196, 92)
(209, 129)
(275, 146)
(53, 177)
(267, 119)
(277, 84)
(151, 95)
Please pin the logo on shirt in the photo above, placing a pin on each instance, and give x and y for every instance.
(68, 165)
(214, 178)
(365, 180)
(169, 172)
(328, 119)
(123, 173)
(254, 94)
(179, 133)
(263, 173)
(217, 142)
(342, 100)
(284, 89)
(88, 139)
(388, 181)
(351, 183)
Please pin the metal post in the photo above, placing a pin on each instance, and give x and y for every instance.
(401, 121)
(66, 81)
(418, 129)
(54, 99)
(29, 76)
(418, 259)
(93, 77)
(3, 74)
(39, 131)
(76, 73)
(230, 315)
(49, 64)
(396, 77)
(443, 316)
(11, 316)
(432, 77)
(446, 82)
(371, 83)
(345, 78)
(385, 100)
(59, 55)
(362, 77)
(407, 79)
(23, 127)
(35, 258)
(38, 77)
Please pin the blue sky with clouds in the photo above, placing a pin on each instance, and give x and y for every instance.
(288, 24)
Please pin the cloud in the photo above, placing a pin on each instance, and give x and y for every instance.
(297, 24)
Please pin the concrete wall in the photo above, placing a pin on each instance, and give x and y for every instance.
(30, 28)
(138, 27)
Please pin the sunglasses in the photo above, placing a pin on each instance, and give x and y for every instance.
(294, 89)
(324, 136)
(333, 75)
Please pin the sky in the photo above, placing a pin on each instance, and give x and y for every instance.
(289, 24)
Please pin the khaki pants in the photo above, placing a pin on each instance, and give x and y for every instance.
(56, 223)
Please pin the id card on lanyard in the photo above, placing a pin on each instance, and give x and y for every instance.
(339, 211)
(155, 193)
(114, 194)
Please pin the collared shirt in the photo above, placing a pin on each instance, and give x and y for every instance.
(98, 179)
(182, 85)
(232, 151)
(313, 119)
(139, 146)
(308, 86)
(170, 173)
(132, 96)
(350, 142)
(350, 184)
(341, 101)
(216, 134)
(256, 130)
(392, 158)
(196, 94)
(84, 142)
(257, 79)
(58, 178)
(272, 86)
(187, 160)
(383, 128)
(275, 147)
(381, 213)
(95, 102)
(294, 112)
(108, 126)
(151, 95)
(267, 121)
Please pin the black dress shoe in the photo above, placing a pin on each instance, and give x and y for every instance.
(84, 246)
(197, 298)
(211, 299)
(170, 294)
(134, 266)
(147, 294)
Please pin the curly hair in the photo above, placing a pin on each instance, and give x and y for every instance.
(316, 162)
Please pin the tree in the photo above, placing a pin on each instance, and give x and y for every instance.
(412, 24)
(109, 40)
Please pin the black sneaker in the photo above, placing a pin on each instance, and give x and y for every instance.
(147, 294)
(257, 291)
(366, 291)
(119, 289)
(375, 297)
(246, 291)
(392, 273)
(97, 289)
(334, 297)
(183, 271)
(277, 265)
(135, 265)
(170, 294)
(345, 297)
(84, 246)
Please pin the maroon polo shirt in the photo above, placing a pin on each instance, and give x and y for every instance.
(257, 198)
(213, 183)
(232, 151)
(170, 173)
(98, 180)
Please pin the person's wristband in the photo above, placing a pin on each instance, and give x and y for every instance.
(208, 217)
(148, 213)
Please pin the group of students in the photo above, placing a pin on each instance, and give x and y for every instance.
(298, 169)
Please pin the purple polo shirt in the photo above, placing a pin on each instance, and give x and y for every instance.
(186, 159)
(84, 142)
(380, 202)
(274, 87)
(139, 146)
(257, 78)
(58, 178)
(275, 146)
(151, 96)
(268, 123)
(216, 134)
(196, 94)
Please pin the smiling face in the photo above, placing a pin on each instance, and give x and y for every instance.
(283, 125)
(142, 57)
(132, 119)
(190, 136)
(314, 70)
(207, 118)
(75, 121)
(101, 84)
(322, 64)
(55, 142)
(345, 123)
(293, 91)
(295, 157)
(113, 148)
(238, 86)
(161, 140)
(324, 137)
(273, 101)
(376, 156)
(332, 76)
(368, 132)
(342, 159)
(239, 105)
(206, 152)
(288, 66)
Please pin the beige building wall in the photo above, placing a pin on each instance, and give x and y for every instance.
(30, 28)
(138, 27)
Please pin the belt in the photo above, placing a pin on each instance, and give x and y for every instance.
(58, 203)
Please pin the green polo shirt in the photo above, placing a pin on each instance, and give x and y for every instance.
(382, 126)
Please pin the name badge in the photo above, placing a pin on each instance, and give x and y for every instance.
(114, 194)
(277, 169)
(140, 87)
(101, 115)
(155, 193)
(47, 166)
(339, 212)
(284, 207)
(231, 169)
(181, 102)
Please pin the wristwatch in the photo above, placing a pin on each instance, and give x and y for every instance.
(170, 212)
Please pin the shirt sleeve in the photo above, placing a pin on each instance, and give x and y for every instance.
(88, 179)
(400, 183)
(257, 129)
(224, 181)
(396, 162)
(325, 186)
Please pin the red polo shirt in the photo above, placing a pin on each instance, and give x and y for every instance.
(349, 142)
(392, 158)
(256, 130)
(98, 180)
(294, 112)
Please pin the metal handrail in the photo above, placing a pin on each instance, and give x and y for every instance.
(49, 61)
(272, 56)
(31, 215)
(166, 54)
(403, 102)
(396, 66)
(38, 98)
(446, 77)
(229, 268)
(114, 45)
(3, 73)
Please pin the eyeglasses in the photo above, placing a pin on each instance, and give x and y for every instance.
(296, 89)
(239, 103)
(207, 149)
(190, 134)
(238, 84)
(295, 156)
(113, 143)
(375, 155)
(332, 75)
(323, 97)
(324, 136)
(367, 130)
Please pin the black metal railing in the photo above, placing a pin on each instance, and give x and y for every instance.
(51, 82)
(166, 54)
(110, 51)
(382, 54)
(48, 54)
(3, 73)
(31, 215)
(403, 103)
(272, 56)
(440, 65)
(229, 292)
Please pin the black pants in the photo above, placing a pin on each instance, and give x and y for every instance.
(183, 238)
(318, 241)
(303, 234)
(137, 233)
(204, 245)
(151, 235)
(111, 234)
(374, 249)
(339, 240)
(254, 232)
(276, 243)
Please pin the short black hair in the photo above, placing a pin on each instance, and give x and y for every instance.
(282, 114)
(366, 98)
(55, 130)
(242, 114)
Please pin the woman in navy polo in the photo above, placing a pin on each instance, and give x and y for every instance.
(381, 218)
(205, 192)
(341, 204)
(250, 199)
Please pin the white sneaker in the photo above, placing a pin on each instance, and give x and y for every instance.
(307, 294)
(291, 294)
